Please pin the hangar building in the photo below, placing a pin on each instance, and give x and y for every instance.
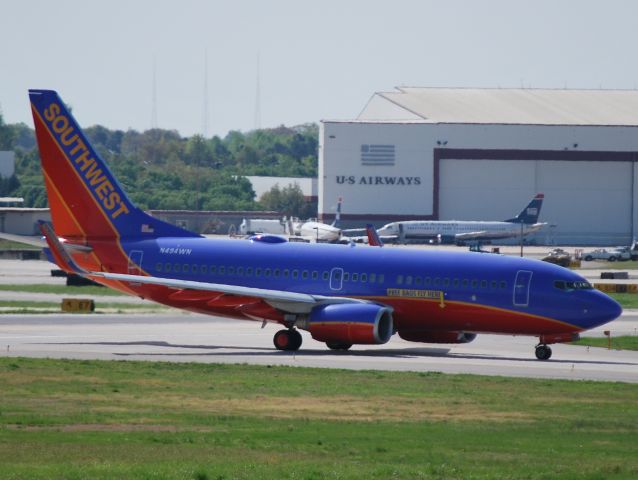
(481, 154)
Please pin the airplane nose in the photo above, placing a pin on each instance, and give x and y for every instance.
(603, 310)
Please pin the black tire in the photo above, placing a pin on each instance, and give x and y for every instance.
(612, 259)
(543, 352)
(338, 346)
(287, 340)
(296, 339)
(588, 258)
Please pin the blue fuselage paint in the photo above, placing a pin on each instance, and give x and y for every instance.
(387, 275)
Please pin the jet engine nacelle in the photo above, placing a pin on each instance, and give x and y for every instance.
(350, 323)
(437, 337)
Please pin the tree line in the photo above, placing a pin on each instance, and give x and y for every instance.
(160, 169)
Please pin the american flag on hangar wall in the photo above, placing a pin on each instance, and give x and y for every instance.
(373, 154)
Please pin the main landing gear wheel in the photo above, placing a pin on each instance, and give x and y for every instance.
(338, 346)
(543, 352)
(289, 340)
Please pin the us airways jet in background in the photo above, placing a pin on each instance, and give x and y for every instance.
(457, 231)
(341, 295)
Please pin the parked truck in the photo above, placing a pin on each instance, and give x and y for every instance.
(250, 226)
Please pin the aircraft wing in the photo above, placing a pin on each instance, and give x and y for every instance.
(287, 301)
(266, 294)
(471, 235)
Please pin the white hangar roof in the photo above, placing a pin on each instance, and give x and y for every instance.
(504, 106)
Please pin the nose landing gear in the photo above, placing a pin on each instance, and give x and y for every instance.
(288, 340)
(543, 352)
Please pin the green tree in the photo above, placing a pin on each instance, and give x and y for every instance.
(288, 200)
(7, 135)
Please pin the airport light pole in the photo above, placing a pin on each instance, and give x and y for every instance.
(521, 238)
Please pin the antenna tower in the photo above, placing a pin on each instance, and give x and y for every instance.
(154, 99)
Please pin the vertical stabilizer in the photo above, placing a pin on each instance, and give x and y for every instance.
(86, 200)
(529, 215)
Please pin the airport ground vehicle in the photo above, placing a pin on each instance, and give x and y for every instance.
(558, 256)
(604, 254)
(250, 226)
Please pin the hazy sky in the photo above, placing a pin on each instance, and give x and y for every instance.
(319, 60)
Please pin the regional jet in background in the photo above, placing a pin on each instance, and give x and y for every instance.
(315, 231)
(459, 231)
(342, 295)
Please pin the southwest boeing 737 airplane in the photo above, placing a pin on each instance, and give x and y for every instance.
(341, 295)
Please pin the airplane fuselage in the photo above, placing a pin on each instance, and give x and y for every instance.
(320, 232)
(428, 290)
(457, 229)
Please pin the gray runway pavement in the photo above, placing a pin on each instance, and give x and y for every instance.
(198, 338)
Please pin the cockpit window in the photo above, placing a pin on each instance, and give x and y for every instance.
(563, 285)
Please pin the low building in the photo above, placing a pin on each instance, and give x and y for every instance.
(212, 221)
(22, 221)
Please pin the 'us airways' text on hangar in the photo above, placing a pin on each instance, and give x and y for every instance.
(481, 154)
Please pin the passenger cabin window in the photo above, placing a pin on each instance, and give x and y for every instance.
(325, 275)
(158, 267)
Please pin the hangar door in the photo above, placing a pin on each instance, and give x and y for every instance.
(586, 202)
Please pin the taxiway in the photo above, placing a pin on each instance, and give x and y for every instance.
(198, 338)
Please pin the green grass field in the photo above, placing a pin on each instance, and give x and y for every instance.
(61, 289)
(98, 420)
(617, 343)
(627, 300)
(29, 306)
(11, 245)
